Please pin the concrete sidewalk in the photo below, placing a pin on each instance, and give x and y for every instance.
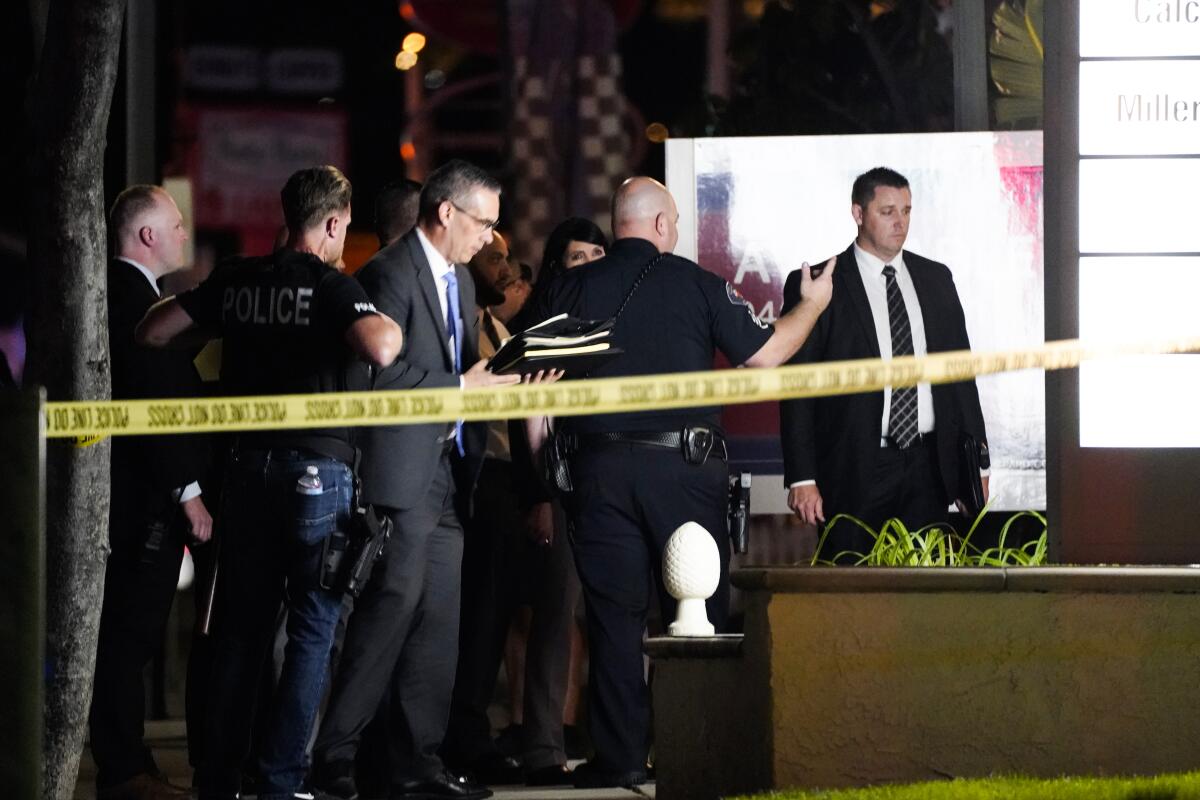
(169, 742)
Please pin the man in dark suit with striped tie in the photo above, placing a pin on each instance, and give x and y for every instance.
(892, 453)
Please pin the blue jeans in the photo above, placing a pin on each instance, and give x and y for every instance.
(272, 538)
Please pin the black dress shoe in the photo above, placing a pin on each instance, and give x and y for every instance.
(590, 776)
(335, 778)
(553, 775)
(496, 768)
(440, 786)
(510, 741)
(575, 741)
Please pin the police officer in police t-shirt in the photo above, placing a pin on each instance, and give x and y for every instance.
(633, 483)
(291, 324)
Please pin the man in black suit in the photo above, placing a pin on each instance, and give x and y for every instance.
(884, 454)
(156, 500)
(488, 572)
(404, 629)
(498, 561)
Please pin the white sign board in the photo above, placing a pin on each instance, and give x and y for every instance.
(1139, 241)
(753, 209)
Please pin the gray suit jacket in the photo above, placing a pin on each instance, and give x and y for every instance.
(399, 461)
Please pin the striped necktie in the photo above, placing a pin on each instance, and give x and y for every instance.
(902, 420)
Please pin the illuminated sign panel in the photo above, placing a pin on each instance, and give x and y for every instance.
(1139, 239)
(1139, 107)
(1139, 28)
(1143, 401)
(1139, 205)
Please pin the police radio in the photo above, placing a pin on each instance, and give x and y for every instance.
(739, 512)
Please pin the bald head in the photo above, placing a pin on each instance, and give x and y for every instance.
(644, 209)
(146, 226)
(490, 270)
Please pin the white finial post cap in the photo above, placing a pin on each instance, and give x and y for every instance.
(691, 573)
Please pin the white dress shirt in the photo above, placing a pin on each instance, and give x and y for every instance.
(441, 268)
(193, 488)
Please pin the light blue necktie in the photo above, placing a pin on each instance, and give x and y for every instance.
(454, 329)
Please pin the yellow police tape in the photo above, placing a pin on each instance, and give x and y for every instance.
(89, 420)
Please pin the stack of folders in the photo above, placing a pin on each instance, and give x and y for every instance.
(566, 343)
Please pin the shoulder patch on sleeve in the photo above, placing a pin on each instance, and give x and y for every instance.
(735, 297)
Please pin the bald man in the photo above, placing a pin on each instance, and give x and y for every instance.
(639, 476)
(156, 499)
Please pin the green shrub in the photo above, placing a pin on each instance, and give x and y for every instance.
(936, 545)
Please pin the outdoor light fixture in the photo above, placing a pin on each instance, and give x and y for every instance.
(691, 571)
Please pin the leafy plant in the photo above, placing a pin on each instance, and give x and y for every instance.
(936, 545)
(1018, 54)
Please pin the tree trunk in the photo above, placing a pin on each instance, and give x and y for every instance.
(68, 350)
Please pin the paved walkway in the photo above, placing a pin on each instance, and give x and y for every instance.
(170, 751)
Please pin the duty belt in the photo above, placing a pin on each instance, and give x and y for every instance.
(672, 439)
(693, 443)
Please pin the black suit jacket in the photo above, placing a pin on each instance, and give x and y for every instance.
(399, 460)
(835, 440)
(146, 469)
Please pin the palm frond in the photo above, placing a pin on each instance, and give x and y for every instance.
(1018, 52)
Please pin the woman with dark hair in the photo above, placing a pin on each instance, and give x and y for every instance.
(546, 646)
(574, 242)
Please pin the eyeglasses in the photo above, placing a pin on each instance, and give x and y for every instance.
(486, 224)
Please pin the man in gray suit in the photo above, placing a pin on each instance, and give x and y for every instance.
(403, 634)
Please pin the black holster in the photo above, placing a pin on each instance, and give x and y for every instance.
(696, 443)
(739, 511)
(350, 555)
(557, 453)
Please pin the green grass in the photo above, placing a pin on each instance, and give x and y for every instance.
(1185, 786)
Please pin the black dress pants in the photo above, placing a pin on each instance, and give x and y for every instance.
(628, 500)
(906, 485)
(497, 557)
(489, 594)
(552, 593)
(139, 586)
(403, 633)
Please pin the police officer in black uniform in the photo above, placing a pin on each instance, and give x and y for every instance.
(638, 476)
(291, 324)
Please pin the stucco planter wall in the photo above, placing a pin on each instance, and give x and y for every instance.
(856, 676)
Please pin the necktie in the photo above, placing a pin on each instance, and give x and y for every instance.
(902, 419)
(454, 329)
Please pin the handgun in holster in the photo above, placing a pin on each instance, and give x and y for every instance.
(739, 512)
(370, 531)
(350, 555)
